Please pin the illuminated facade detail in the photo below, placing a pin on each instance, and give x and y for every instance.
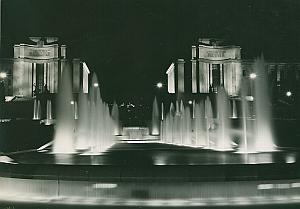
(171, 79)
(37, 68)
(216, 66)
(180, 69)
(176, 78)
(212, 65)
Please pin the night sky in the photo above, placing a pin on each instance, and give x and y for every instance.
(131, 43)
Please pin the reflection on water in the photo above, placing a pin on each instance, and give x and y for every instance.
(153, 174)
(150, 193)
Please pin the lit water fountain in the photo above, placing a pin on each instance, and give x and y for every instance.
(247, 138)
(82, 131)
(155, 126)
(49, 114)
(95, 127)
(234, 114)
(180, 127)
(264, 136)
(200, 125)
(187, 128)
(209, 120)
(199, 129)
(101, 129)
(37, 112)
(115, 118)
(64, 130)
(222, 138)
(202, 129)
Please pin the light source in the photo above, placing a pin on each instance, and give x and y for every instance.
(288, 93)
(159, 85)
(252, 75)
(3, 75)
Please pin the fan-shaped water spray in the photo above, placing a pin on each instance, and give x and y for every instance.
(264, 136)
(202, 129)
(95, 128)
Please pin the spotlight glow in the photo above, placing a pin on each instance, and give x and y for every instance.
(159, 85)
(96, 84)
(288, 93)
(190, 102)
(3, 75)
(252, 75)
(249, 98)
(104, 186)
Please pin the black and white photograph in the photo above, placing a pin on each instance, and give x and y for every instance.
(145, 104)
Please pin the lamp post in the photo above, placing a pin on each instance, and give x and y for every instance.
(159, 86)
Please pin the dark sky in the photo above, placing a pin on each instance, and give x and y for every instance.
(131, 43)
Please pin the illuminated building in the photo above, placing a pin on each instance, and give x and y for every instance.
(215, 64)
(38, 67)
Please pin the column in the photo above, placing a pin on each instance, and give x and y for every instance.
(210, 74)
(221, 75)
(180, 69)
(85, 78)
(33, 67)
(204, 77)
(194, 76)
(238, 77)
(56, 76)
(171, 79)
(45, 69)
(194, 52)
(76, 75)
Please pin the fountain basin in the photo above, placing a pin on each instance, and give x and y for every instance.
(152, 174)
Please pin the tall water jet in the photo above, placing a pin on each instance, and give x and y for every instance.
(199, 125)
(209, 120)
(64, 129)
(49, 114)
(187, 131)
(75, 110)
(170, 124)
(92, 112)
(223, 139)
(83, 124)
(155, 124)
(96, 111)
(264, 135)
(37, 112)
(246, 144)
(181, 122)
(100, 128)
(115, 118)
(176, 125)
(234, 114)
